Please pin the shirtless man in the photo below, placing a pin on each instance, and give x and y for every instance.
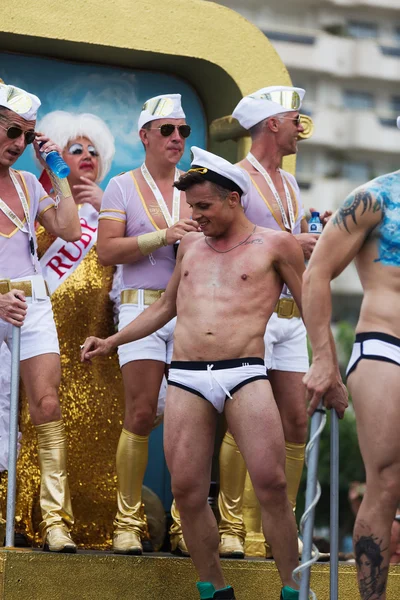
(365, 228)
(25, 302)
(224, 288)
(142, 216)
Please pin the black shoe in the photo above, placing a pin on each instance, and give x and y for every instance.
(224, 595)
(147, 546)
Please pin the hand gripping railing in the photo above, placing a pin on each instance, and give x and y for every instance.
(310, 552)
(13, 441)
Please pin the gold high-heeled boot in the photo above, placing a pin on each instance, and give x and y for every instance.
(232, 473)
(129, 522)
(55, 499)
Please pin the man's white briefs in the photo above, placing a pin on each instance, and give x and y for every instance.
(38, 333)
(286, 345)
(157, 346)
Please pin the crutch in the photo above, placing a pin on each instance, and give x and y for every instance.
(13, 440)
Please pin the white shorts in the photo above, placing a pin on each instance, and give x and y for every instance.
(157, 346)
(286, 345)
(374, 346)
(38, 333)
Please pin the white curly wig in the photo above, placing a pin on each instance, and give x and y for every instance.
(62, 127)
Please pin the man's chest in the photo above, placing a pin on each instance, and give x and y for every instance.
(10, 197)
(272, 205)
(164, 205)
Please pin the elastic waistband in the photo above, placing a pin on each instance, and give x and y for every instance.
(200, 365)
(377, 335)
(146, 297)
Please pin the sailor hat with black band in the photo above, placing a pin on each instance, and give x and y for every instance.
(161, 107)
(267, 102)
(220, 171)
(19, 101)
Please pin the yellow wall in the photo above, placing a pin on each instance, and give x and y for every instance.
(221, 54)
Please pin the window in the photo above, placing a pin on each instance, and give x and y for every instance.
(358, 100)
(358, 171)
(362, 29)
(395, 104)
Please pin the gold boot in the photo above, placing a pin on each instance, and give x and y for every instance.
(55, 500)
(232, 472)
(129, 522)
(178, 545)
(254, 544)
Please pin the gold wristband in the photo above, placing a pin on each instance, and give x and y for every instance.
(60, 186)
(148, 242)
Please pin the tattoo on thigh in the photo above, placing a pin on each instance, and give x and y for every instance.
(371, 576)
(350, 206)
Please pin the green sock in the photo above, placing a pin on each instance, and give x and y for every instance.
(289, 593)
(207, 589)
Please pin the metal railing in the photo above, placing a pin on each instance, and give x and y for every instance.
(310, 552)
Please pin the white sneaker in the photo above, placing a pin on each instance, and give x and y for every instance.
(231, 547)
(58, 539)
(127, 542)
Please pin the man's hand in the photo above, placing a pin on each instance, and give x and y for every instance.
(307, 242)
(47, 146)
(88, 191)
(181, 228)
(324, 217)
(323, 381)
(94, 346)
(13, 307)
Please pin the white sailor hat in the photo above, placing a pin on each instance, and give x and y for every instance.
(220, 171)
(160, 107)
(267, 102)
(398, 122)
(19, 101)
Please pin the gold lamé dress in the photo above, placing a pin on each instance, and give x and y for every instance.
(92, 408)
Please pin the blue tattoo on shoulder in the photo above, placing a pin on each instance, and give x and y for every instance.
(381, 194)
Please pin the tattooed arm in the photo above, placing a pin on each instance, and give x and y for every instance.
(339, 243)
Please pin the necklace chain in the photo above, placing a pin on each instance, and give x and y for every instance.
(233, 247)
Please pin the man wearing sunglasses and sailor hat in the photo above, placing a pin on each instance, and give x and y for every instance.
(24, 300)
(271, 115)
(142, 218)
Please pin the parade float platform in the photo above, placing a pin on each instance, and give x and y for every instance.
(89, 575)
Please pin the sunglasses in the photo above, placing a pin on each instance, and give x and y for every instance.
(168, 129)
(295, 120)
(14, 132)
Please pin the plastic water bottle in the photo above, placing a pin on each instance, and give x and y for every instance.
(315, 224)
(56, 163)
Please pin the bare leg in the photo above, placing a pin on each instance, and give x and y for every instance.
(374, 386)
(190, 424)
(41, 376)
(254, 421)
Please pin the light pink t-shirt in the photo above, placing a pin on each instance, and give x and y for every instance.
(15, 254)
(259, 212)
(123, 201)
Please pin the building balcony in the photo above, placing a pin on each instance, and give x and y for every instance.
(319, 52)
(345, 129)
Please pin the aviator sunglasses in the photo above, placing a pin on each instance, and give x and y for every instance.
(14, 132)
(168, 128)
(295, 120)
